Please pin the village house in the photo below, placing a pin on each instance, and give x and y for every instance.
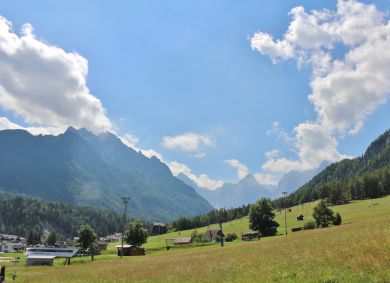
(129, 250)
(159, 228)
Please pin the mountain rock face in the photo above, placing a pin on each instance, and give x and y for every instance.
(248, 190)
(81, 168)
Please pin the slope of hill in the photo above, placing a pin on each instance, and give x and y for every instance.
(373, 167)
(20, 214)
(78, 167)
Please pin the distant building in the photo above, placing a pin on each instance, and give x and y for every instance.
(45, 256)
(129, 250)
(159, 229)
(250, 235)
(102, 245)
(178, 241)
(210, 235)
(10, 247)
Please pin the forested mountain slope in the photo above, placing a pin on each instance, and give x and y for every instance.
(81, 168)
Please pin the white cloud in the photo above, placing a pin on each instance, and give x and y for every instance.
(202, 180)
(45, 85)
(242, 169)
(130, 140)
(6, 124)
(345, 91)
(189, 142)
(266, 179)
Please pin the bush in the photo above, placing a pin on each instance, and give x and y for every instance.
(135, 233)
(337, 219)
(322, 214)
(231, 237)
(309, 225)
(261, 217)
(196, 237)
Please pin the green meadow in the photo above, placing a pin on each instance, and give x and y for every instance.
(356, 251)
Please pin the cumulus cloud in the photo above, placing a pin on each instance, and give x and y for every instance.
(130, 140)
(242, 169)
(45, 85)
(344, 92)
(201, 180)
(266, 179)
(189, 142)
(6, 124)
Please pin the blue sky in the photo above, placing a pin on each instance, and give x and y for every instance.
(181, 78)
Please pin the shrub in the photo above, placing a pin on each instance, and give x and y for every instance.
(322, 214)
(337, 219)
(135, 233)
(309, 225)
(196, 237)
(261, 217)
(231, 237)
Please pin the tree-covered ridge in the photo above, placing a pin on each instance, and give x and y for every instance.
(213, 217)
(20, 215)
(358, 178)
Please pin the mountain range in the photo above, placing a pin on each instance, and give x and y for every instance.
(249, 190)
(79, 167)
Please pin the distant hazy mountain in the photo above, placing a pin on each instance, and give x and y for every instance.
(294, 179)
(248, 190)
(78, 167)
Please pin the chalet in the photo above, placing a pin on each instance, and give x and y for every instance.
(210, 235)
(250, 235)
(300, 217)
(159, 228)
(129, 250)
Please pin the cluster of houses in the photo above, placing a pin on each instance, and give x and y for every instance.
(12, 243)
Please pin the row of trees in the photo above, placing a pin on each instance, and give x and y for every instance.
(213, 217)
(27, 216)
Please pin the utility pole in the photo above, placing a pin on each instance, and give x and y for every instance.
(285, 210)
(220, 228)
(125, 201)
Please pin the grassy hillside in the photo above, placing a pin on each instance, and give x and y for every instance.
(358, 251)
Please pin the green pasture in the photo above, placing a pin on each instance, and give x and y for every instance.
(357, 251)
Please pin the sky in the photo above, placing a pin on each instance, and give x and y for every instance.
(215, 89)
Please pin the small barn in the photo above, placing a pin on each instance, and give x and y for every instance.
(129, 250)
(250, 235)
(35, 260)
(159, 229)
(102, 245)
(300, 217)
(210, 235)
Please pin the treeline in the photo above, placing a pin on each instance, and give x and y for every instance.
(213, 217)
(29, 217)
(368, 185)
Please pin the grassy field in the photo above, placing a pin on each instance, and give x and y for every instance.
(357, 251)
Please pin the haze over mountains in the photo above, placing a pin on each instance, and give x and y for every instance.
(249, 190)
(78, 167)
